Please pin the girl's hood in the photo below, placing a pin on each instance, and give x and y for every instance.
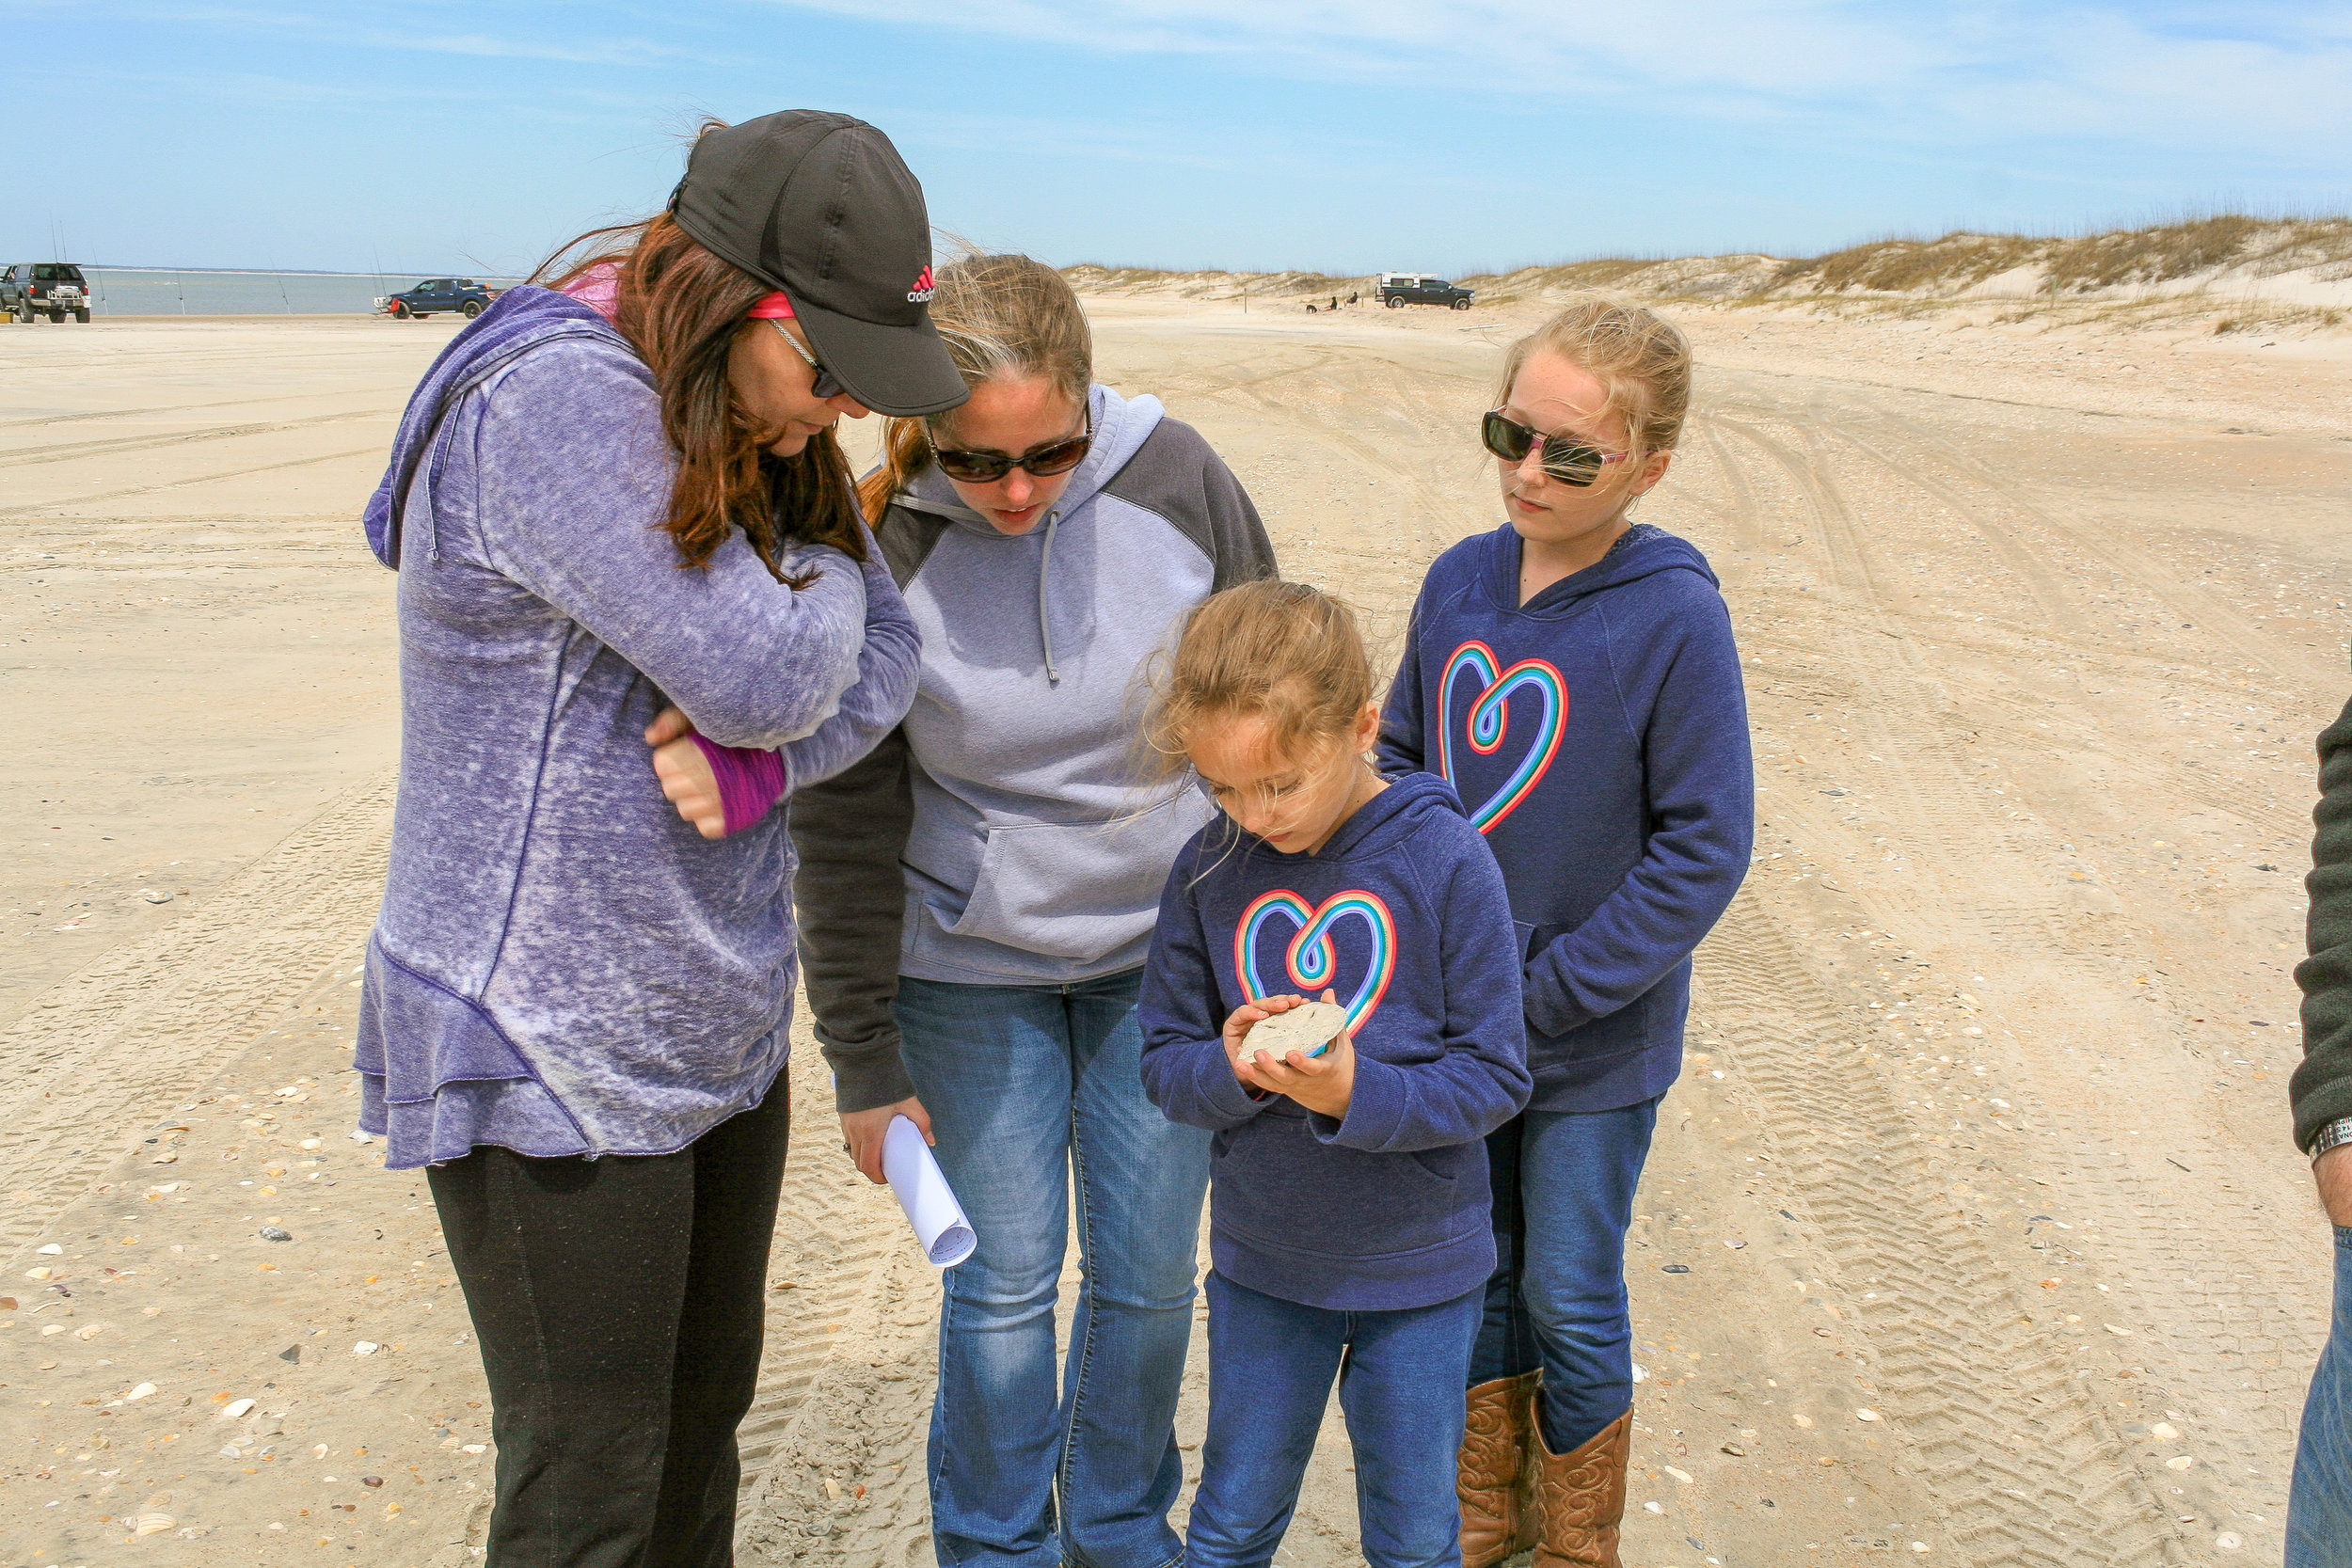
(1642, 550)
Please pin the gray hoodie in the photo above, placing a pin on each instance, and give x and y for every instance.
(1000, 836)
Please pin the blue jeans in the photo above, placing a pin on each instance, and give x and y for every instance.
(1026, 1084)
(1564, 1194)
(1270, 1368)
(2319, 1505)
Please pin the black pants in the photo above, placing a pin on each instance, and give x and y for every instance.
(618, 1302)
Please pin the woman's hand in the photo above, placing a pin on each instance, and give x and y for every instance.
(685, 773)
(862, 1135)
(1324, 1084)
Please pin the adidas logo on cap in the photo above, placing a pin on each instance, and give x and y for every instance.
(921, 293)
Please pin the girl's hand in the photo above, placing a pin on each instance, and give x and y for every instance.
(1324, 1084)
(862, 1135)
(685, 773)
(1237, 1028)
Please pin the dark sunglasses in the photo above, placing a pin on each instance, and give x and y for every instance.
(826, 384)
(1045, 461)
(1565, 458)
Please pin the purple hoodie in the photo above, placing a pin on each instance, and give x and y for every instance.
(562, 966)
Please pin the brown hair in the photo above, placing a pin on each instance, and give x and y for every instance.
(681, 306)
(999, 315)
(1639, 358)
(1281, 651)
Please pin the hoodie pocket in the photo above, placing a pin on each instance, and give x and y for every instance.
(1076, 891)
(1277, 1184)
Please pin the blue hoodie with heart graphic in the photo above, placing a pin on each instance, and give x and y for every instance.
(1599, 735)
(1403, 916)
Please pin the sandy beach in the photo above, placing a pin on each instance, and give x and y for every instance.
(1973, 1233)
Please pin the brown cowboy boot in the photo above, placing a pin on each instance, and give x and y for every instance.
(1583, 1497)
(1495, 1474)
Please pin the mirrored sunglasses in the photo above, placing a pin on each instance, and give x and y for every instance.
(1569, 459)
(987, 467)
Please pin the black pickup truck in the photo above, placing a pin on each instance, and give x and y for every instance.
(52, 288)
(1404, 287)
(464, 295)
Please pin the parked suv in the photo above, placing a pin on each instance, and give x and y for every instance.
(1409, 288)
(29, 289)
(461, 295)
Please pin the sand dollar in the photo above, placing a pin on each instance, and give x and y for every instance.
(1308, 1027)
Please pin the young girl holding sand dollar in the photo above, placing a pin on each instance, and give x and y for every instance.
(1572, 674)
(975, 902)
(1349, 1180)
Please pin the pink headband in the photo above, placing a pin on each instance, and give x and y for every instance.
(773, 307)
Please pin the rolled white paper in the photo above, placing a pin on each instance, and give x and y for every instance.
(922, 1193)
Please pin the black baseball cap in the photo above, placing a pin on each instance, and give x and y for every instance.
(820, 207)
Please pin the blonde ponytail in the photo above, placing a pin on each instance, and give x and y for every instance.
(906, 451)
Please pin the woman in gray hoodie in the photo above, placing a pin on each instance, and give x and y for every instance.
(977, 899)
(604, 499)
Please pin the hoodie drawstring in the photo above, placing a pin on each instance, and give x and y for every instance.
(1045, 627)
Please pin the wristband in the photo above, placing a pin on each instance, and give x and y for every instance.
(749, 782)
(2334, 1135)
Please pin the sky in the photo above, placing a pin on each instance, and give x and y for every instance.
(1452, 135)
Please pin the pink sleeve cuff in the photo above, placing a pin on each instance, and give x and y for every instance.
(749, 782)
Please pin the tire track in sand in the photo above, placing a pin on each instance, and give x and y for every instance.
(2205, 1346)
(1746, 519)
(98, 1057)
(841, 1262)
(82, 451)
(2288, 665)
(60, 503)
(126, 1039)
(1903, 716)
(1968, 1365)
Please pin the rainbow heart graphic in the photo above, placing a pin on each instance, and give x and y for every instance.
(1310, 959)
(1488, 721)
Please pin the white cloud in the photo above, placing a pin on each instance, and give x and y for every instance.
(573, 45)
(2271, 78)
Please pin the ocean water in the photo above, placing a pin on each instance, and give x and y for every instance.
(153, 292)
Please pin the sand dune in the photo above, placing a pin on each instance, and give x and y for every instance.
(2226, 273)
(1979, 1181)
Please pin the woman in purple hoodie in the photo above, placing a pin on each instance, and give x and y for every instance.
(574, 1005)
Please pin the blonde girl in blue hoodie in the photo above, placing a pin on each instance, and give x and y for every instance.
(1349, 1226)
(1572, 672)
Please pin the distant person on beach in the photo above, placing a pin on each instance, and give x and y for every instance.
(2319, 1507)
(1349, 1223)
(1573, 674)
(575, 1006)
(977, 898)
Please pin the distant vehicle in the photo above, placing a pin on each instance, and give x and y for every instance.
(1412, 288)
(433, 295)
(52, 288)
